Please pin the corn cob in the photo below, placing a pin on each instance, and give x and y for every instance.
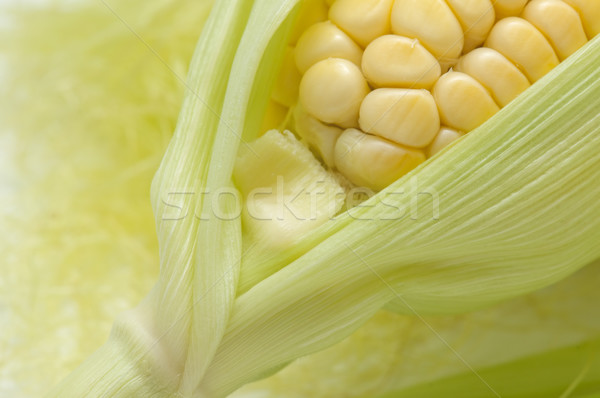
(411, 76)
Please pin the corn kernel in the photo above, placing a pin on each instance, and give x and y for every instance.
(523, 45)
(332, 91)
(373, 162)
(362, 20)
(559, 22)
(405, 116)
(325, 40)
(464, 103)
(397, 61)
(508, 8)
(445, 136)
(476, 18)
(496, 73)
(320, 137)
(589, 11)
(434, 24)
(286, 86)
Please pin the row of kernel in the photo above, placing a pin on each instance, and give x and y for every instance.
(357, 23)
(517, 52)
(400, 114)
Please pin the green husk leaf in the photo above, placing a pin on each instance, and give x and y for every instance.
(543, 344)
(161, 330)
(549, 374)
(199, 161)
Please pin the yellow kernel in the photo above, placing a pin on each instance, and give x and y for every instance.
(373, 162)
(559, 22)
(445, 136)
(311, 12)
(362, 20)
(325, 40)
(496, 73)
(476, 18)
(463, 102)
(320, 137)
(405, 116)
(434, 24)
(285, 90)
(523, 45)
(508, 8)
(397, 61)
(589, 11)
(332, 91)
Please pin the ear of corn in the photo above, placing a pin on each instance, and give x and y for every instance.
(522, 43)
(203, 332)
(521, 115)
